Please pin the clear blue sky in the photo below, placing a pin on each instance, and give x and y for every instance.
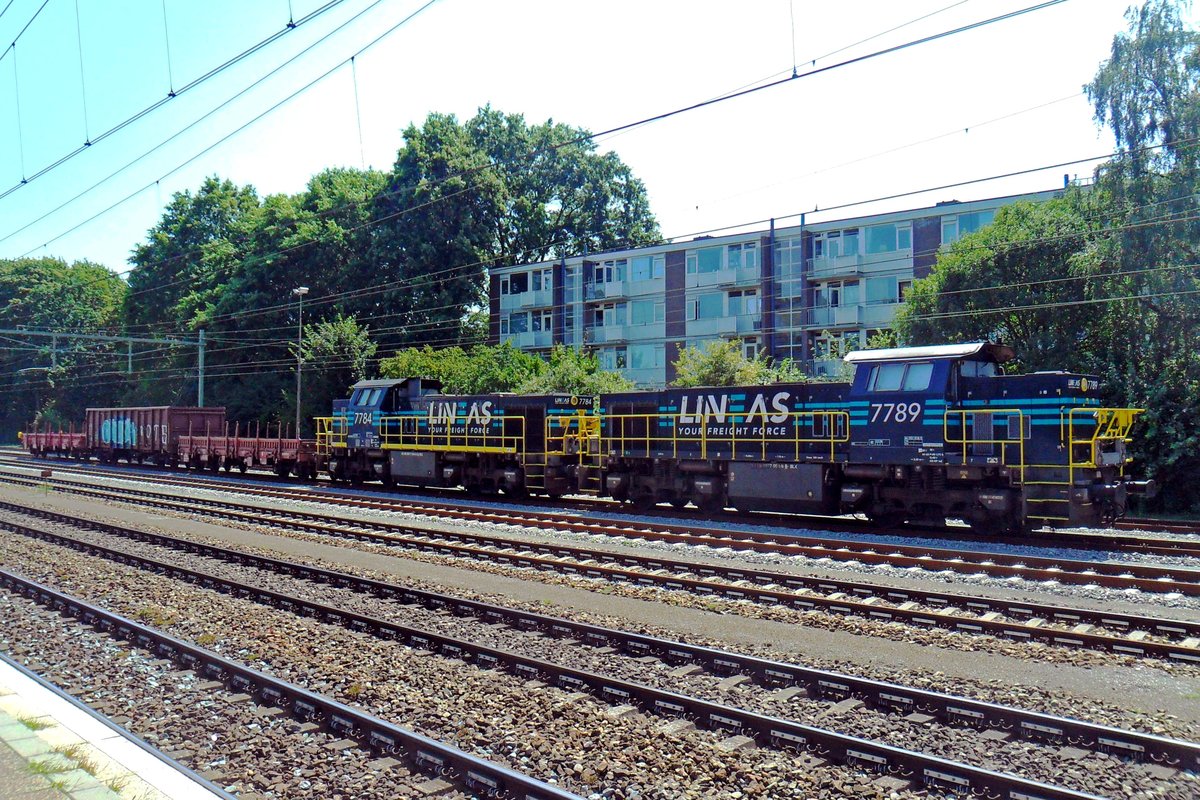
(1003, 98)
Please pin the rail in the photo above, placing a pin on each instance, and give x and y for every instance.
(704, 435)
(474, 774)
(866, 754)
(821, 683)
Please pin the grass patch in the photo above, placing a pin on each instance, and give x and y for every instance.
(33, 723)
(156, 616)
(47, 767)
(205, 639)
(78, 754)
(117, 784)
(354, 690)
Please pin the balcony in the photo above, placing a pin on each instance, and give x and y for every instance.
(742, 276)
(599, 334)
(530, 340)
(835, 316)
(713, 326)
(827, 268)
(605, 291)
(747, 324)
(539, 299)
(835, 369)
(880, 315)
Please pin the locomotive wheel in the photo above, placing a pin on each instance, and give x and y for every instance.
(645, 502)
(887, 519)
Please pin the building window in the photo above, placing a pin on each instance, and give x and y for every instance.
(743, 255)
(836, 244)
(954, 227)
(750, 348)
(504, 326)
(702, 261)
(645, 312)
(905, 288)
(610, 314)
(708, 306)
(518, 283)
(504, 285)
(882, 290)
(838, 293)
(744, 301)
(518, 322)
(543, 320)
(611, 358)
(789, 258)
(889, 238)
(647, 356)
(611, 271)
(542, 279)
(644, 268)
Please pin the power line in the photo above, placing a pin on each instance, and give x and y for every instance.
(588, 137)
(256, 83)
(170, 95)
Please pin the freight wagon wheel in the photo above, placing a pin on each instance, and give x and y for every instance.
(679, 503)
(242, 467)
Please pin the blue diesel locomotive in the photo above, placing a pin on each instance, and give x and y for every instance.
(920, 434)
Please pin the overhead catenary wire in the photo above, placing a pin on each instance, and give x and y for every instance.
(628, 126)
(190, 126)
(172, 94)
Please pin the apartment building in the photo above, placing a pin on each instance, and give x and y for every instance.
(790, 292)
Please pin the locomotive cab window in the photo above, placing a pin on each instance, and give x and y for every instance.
(977, 369)
(900, 377)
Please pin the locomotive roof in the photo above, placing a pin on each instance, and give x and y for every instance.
(982, 351)
(429, 383)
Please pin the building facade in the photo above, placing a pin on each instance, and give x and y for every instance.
(799, 292)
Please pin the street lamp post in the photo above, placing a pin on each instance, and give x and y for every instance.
(299, 291)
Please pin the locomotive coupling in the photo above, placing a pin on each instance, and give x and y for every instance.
(1147, 489)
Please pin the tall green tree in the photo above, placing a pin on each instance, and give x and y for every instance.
(48, 381)
(1148, 95)
(482, 369)
(336, 354)
(493, 191)
(183, 263)
(1028, 279)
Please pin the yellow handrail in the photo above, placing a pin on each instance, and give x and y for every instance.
(1005, 443)
(331, 433)
(622, 436)
(1111, 425)
(457, 433)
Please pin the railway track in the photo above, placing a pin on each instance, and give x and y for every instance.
(1125, 634)
(1151, 578)
(966, 716)
(234, 680)
(674, 522)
